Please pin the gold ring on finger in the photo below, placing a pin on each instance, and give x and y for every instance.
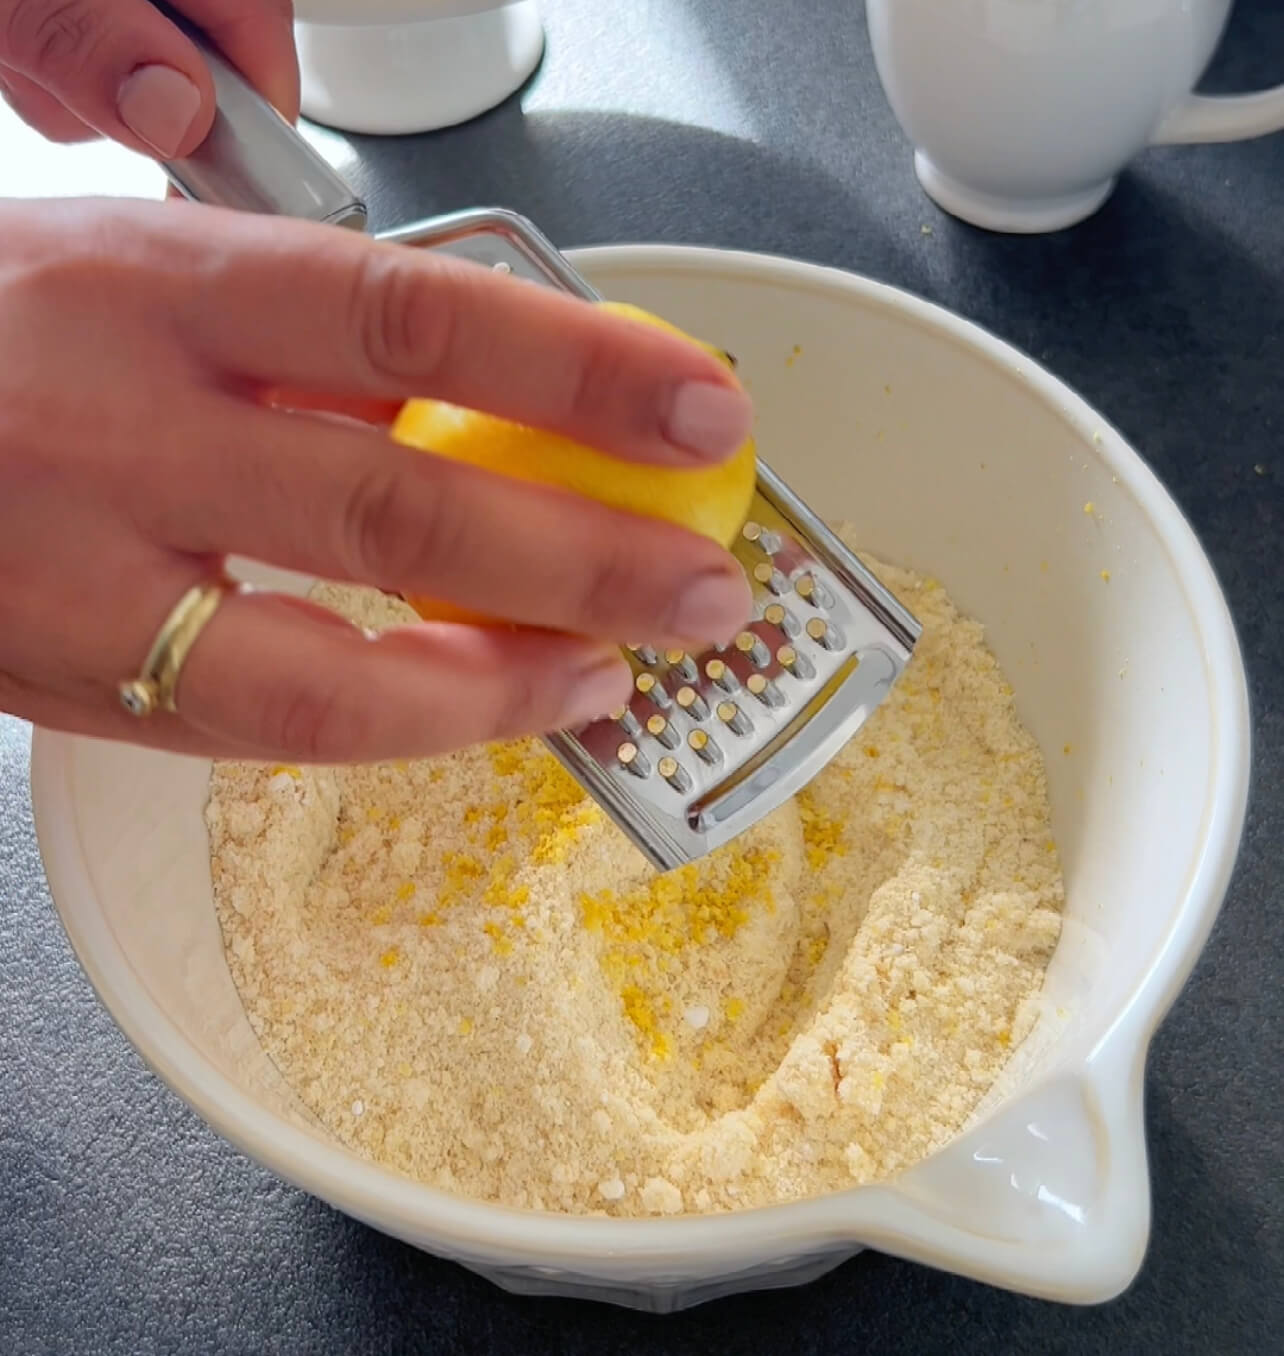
(155, 686)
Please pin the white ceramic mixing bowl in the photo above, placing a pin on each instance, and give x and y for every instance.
(956, 455)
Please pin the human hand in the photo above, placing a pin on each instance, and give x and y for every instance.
(75, 69)
(139, 443)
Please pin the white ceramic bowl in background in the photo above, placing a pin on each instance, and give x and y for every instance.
(955, 455)
(387, 67)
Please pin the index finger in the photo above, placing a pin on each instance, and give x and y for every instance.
(295, 305)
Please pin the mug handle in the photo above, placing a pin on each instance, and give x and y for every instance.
(1222, 117)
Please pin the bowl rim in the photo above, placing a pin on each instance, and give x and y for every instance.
(677, 1250)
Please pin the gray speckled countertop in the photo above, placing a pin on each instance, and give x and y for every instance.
(127, 1227)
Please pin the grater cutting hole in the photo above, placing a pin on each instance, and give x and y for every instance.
(502, 266)
(769, 577)
(649, 686)
(692, 702)
(753, 649)
(760, 686)
(812, 591)
(794, 663)
(659, 728)
(781, 617)
(721, 676)
(824, 634)
(645, 654)
(734, 718)
(682, 664)
(764, 538)
(674, 773)
(703, 747)
(627, 721)
(633, 760)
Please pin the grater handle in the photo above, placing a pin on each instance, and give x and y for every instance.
(253, 160)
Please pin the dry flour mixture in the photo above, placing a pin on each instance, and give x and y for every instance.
(471, 977)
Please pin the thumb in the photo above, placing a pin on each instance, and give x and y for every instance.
(123, 68)
(119, 65)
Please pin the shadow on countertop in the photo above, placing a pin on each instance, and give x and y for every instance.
(589, 177)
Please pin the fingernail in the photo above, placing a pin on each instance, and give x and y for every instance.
(713, 607)
(597, 689)
(709, 421)
(159, 104)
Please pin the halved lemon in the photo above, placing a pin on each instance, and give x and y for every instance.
(710, 500)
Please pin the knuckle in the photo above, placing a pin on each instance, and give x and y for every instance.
(404, 329)
(392, 535)
(368, 525)
(68, 274)
(60, 262)
(52, 38)
(596, 383)
(611, 587)
(520, 708)
(313, 722)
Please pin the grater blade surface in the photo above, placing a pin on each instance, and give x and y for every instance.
(711, 742)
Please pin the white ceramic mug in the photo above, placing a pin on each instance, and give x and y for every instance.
(395, 66)
(1022, 112)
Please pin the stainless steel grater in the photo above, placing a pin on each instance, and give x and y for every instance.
(710, 742)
